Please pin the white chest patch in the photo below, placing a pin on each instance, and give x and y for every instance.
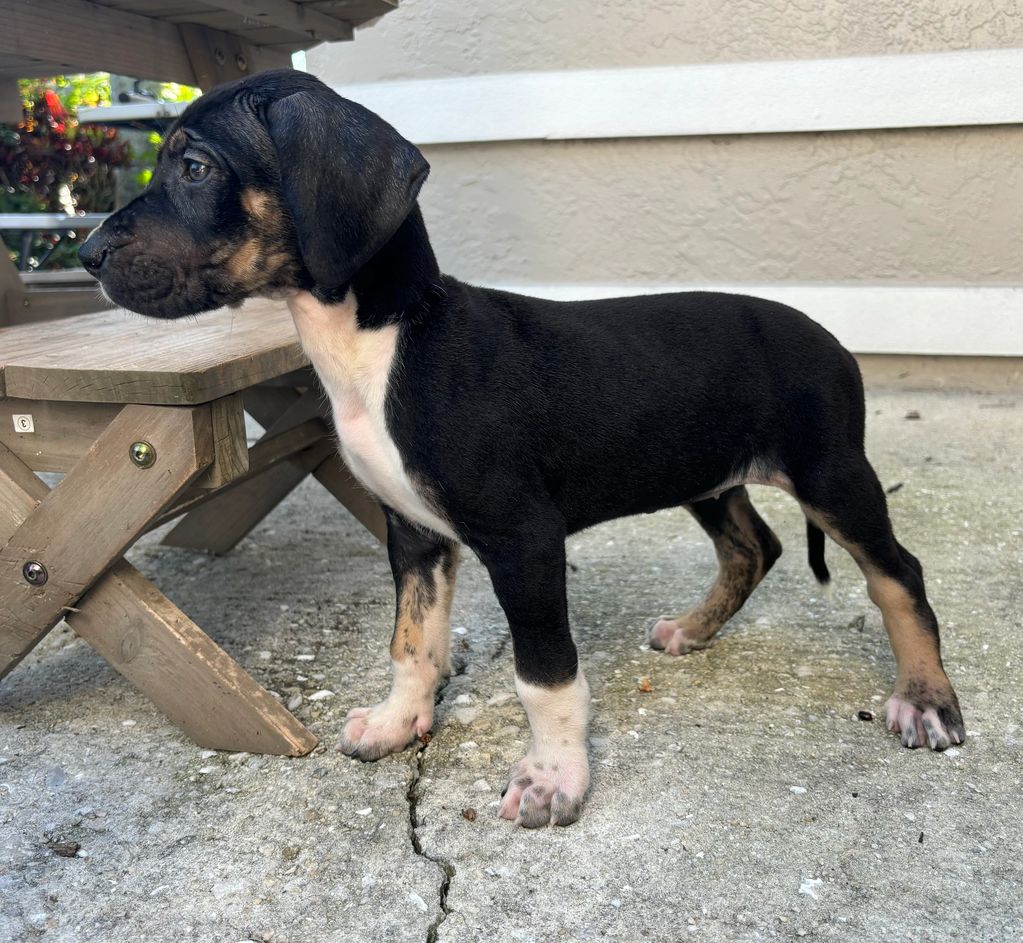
(354, 365)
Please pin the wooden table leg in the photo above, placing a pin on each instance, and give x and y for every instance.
(12, 290)
(79, 529)
(182, 670)
(217, 526)
(143, 635)
(334, 475)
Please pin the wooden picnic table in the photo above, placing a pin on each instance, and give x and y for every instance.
(146, 421)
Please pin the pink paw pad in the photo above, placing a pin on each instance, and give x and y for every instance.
(545, 793)
(370, 733)
(925, 726)
(669, 636)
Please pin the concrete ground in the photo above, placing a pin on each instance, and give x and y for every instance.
(739, 799)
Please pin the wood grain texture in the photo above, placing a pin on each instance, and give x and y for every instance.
(38, 303)
(297, 20)
(64, 432)
(230, 446)
(158, 648)
(181, 670)
(217, 526)
(77, 36)
(266, 453)
(218, 56)
(93, 516)
(116, 357)
(20, 492)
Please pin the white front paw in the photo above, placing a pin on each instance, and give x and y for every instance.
(372, 732)
(546, 790)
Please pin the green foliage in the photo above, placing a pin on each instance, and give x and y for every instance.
(49, 163)
(176, 92)
(74, 91)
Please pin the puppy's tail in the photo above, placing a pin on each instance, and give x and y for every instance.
(815, 553)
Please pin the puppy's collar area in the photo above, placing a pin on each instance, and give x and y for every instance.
(377, 310)
(400, 284)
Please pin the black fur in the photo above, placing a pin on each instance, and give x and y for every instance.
(815, 553)
(526, 419)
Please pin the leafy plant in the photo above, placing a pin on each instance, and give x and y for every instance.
(50, 163)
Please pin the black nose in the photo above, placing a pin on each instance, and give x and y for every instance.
(97, 248)
(92, 252)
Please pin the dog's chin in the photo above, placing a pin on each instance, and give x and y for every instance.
(168, 307)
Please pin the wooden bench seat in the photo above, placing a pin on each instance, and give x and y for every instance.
(145, 419)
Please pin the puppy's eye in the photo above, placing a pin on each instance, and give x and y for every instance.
(196, 170)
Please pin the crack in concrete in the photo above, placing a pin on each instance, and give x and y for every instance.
(447, 868)
(445, 865)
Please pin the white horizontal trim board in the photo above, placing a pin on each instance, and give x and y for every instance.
(136, 111)
(869, 319)
(907, 91)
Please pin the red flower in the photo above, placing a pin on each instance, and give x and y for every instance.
(58, 116)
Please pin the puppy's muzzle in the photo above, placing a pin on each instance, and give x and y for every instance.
(95, 251)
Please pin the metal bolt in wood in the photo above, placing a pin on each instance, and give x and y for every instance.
(142, 454)
(34, 573)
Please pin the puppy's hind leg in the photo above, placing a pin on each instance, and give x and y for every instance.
(844, 498)
(424, 568)
(746, 549)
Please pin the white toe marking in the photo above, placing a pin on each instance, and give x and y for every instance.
(550, 781)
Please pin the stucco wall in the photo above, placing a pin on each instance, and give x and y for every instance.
(452, 37)
(936, 206)
(926, 206)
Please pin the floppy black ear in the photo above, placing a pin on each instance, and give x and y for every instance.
(348, 179)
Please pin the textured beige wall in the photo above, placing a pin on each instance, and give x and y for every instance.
(933, 206)
(433, 38)
(906, 206)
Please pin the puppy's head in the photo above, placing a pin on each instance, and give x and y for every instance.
(273, 182)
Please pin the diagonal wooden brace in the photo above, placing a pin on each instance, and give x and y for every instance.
(201, 688)
(143, 635)
(87, 522)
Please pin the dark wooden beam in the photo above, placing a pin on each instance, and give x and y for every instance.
(81, 37)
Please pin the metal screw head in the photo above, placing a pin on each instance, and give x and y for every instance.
(240, 61)
(34, 573)
(142, 454)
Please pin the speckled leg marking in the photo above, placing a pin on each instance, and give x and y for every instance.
(547, 786)
(420, 654)
(746, 549)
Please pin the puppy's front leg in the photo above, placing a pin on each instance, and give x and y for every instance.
(549, 783)
(423, 567)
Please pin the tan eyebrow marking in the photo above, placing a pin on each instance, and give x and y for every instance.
(255, 203)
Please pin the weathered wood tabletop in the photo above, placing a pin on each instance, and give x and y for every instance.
(117, 357)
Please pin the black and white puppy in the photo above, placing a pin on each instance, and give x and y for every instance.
(503, 422)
